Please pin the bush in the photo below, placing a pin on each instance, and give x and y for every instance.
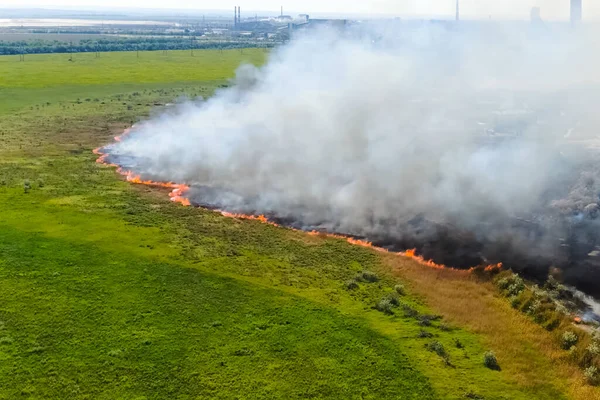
(458, 344)
(385, 306)
(512, 285)
(437, 348)
(490, 361)
(26, 186)
(425, 320)
(516, 287)
(425, 334)
(366, 276)
(569, 339)
(351, 285)
(594, 348)
(552, 323)
(41, 183)
(503, 283)
(515, 301)
(527, 300)
(400, 289)
(591, 375)
(394, 299)
(409, 311)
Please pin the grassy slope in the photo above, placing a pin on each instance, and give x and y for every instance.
(53, 77)
(108, 290)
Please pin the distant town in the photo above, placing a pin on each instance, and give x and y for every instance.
(36, 31)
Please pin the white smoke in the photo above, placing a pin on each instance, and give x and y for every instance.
(361, 131)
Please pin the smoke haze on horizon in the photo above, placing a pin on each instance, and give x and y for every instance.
(477, 9)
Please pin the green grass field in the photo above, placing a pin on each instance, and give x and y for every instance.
(109, 291)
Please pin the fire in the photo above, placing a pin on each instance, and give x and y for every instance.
(493, 267)
(412, 254)
(260, 218)
(178, 195)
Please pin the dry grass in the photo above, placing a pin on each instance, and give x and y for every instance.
(526, 351)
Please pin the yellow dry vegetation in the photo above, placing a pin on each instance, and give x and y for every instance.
(523, 348)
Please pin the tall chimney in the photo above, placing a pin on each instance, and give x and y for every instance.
(576, 11)
(235, 16)
(458, 10)
(282, 11)
(239, 15)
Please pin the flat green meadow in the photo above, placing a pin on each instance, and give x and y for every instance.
(110, 291)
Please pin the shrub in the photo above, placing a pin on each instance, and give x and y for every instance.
(552, 284)
(366, 276)
(425, 334)
(425, 320)
(409, 311)
(516, 287)
(437, 348)
(573, 352)
(594, 348)
(351, 285)
(445, 327)
(458, 344)
(385, 306)
(41, 183)
(400, 289)
(447, 361)
(503, 283)
(591, 375)
(584, 359)
(393, 298)
(552, 323)
(26, 186)
(515, 301)
(527, 300)
(569, 339)
(490, 361)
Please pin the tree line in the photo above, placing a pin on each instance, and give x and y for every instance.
(122, 44)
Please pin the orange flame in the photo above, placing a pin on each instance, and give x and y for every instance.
(179, 191)
(412, 254)
(176, 195)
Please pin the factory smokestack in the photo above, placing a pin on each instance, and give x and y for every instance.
(576, 11)
(458, 10)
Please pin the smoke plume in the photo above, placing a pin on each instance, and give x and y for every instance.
(473, 143)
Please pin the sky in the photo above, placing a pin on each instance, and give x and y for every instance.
(518, 9)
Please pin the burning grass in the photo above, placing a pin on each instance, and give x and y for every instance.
(178, 195)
